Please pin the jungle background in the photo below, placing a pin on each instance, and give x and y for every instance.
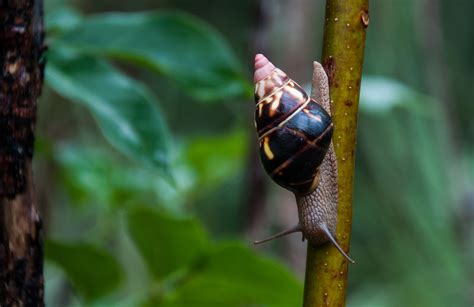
(147, 172)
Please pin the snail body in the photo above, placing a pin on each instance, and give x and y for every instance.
(294, 133)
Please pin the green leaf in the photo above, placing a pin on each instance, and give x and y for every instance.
(382, 95)
(178, 45)
(236, 276)
(62, 19)
(95, 176)
(166, 243)
(92, 271)
(217, 158)
(126, 112)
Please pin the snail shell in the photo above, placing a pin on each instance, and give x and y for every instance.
(294, 131)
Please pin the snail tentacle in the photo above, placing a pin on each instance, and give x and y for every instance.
(293, 229)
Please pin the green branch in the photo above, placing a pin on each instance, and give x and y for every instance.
(343, 53)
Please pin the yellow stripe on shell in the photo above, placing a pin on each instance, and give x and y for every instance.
(260, 88)
(297, 93)
(260, 110)
(275, 104)
(275, 90)
(267, 149)
(273, 80)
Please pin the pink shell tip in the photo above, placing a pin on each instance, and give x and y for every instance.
(263, 67)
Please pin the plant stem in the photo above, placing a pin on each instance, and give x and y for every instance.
(343, 52)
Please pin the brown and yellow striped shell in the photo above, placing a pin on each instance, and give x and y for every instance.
(294, 132)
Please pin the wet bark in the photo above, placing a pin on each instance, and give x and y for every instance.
(21, 250)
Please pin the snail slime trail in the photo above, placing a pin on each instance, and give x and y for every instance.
(294, 134)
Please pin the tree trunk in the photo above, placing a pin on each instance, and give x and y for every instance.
(21, 250)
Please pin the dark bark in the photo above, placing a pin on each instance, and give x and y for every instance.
(21, 251)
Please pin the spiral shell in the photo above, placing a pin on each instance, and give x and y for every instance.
(294, 131)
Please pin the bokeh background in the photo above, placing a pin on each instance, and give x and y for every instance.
(147, 172)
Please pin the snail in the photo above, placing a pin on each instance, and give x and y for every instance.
(294, 134)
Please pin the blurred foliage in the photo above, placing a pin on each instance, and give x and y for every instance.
(140, 222)
(404, 203)
(125, 110)
(95, 176)
(170, 238)
(402, 43)
(184, 264)
(196, 56)
(81, 261)
(234, 276)
(216, 158)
